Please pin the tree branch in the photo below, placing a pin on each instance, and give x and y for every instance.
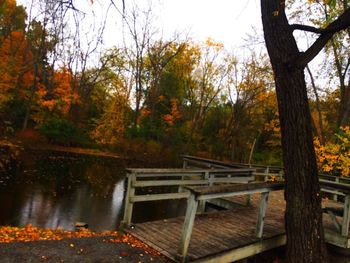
(307, 28)
(341, 23)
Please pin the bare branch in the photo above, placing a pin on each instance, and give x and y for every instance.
(307, 28)
(341, 23)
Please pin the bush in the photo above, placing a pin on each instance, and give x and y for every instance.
(63, 132)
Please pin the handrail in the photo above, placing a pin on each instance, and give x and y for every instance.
(197, 194)
(141, 178)
(206, 193)
(194, 159)
(266, 173)
(335, 186)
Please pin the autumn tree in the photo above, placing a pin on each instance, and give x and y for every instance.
(140, 31)
(159, 55)
(251, 102)
(209, 79)
(111, 97)
(12, 18)
(332, 74)
(304, 229)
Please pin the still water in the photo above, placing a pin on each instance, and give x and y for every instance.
(52, 190)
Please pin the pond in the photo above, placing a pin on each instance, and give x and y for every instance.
(56, 190)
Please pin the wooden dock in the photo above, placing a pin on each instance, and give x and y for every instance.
(223, 236)
(246, 229)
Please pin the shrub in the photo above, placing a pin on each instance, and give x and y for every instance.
(63, 132)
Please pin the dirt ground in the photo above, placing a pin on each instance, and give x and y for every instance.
(84, 250)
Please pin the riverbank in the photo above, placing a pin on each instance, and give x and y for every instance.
(91, 249)
(31, 244)
(20, 144)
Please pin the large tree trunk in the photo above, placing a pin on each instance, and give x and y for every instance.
(304, 229)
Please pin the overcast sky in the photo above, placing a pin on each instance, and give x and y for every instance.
(226, 21)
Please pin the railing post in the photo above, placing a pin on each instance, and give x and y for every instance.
(130, 192)
(281, 173)
(267, 171)
(185, 163)
(261, 214)
(346, 216)
(184, 166)
(335, 196)
(192, 205)
(207, 177)
(248, 199)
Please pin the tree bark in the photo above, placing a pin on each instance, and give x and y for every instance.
(304, 229)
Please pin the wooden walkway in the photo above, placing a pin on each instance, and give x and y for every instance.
(217, 233)
(228, 234)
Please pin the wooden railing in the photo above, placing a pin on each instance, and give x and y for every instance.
(344, 210)
(262, 172)
(200, 194)
(172, 182)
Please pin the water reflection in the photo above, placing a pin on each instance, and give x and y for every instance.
(56, 191)
(84, 204)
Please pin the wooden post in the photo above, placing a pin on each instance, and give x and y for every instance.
(281, 173)
(346, 216)
(261, 215)
(267, 171)
(130, 192)
(201, 206)
(192, 205)
(184, 166)
(248, 199)
(185, 163)
(335, 196)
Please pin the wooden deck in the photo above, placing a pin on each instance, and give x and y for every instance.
(217, 234)
(245, 229)
(223, 236)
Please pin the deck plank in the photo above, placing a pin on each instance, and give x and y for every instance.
(216, 233)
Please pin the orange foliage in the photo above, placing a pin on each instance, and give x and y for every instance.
(30, 233)
(62, 96)
(174, 109)
(168, 119)
(145, 112)
(15, 65)
(174, 115)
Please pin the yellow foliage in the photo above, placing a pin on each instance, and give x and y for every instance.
(111, 126)
(332, 157)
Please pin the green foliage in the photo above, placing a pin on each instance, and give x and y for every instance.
(63, 132)
(12, 17)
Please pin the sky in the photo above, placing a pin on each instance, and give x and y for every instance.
(226, 21)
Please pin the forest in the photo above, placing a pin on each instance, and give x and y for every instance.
(162, 97)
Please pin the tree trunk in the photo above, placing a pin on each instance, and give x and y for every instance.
(304, 229)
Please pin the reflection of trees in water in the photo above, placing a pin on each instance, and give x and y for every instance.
(100, 212)
(58, 190)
